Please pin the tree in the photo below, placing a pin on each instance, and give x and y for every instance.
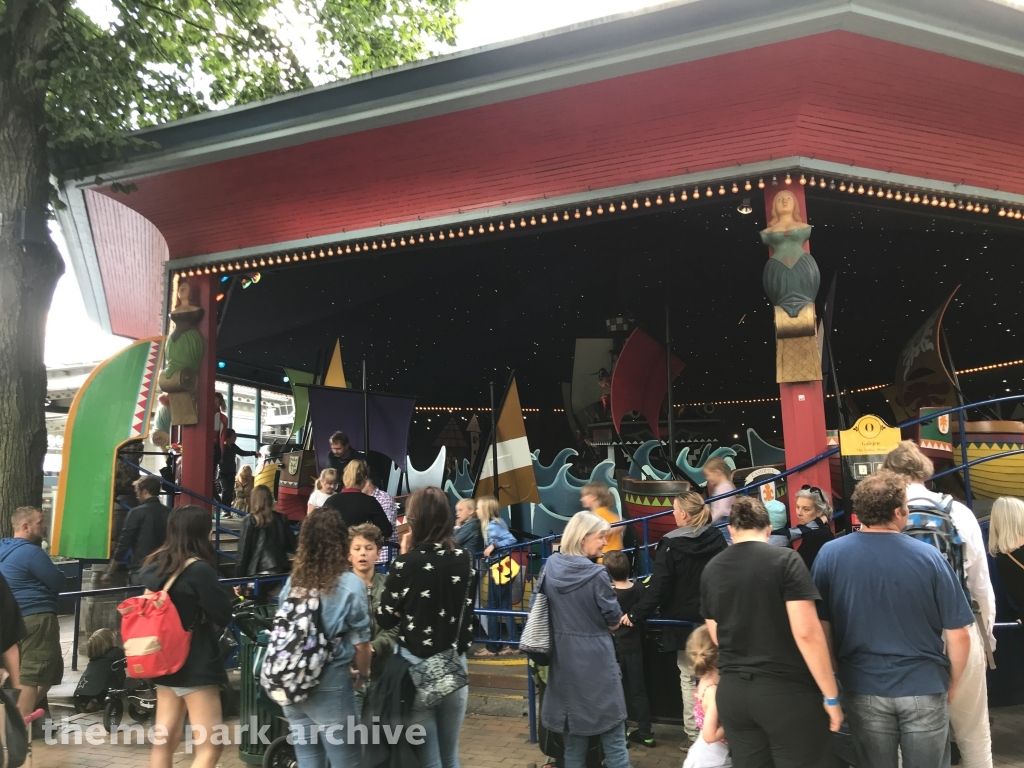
(70, 87)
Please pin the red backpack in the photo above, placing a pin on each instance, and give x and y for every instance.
(155, 642)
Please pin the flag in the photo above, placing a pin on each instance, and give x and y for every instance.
(335, 372)
(516, 481)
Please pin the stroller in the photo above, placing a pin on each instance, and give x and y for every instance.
(135, 695)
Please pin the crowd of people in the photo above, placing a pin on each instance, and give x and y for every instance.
(794, 646)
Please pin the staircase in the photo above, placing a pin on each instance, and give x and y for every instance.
(497, 686)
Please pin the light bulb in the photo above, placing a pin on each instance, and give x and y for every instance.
(588, 211)
(671, 197)
(533, 219)
(512, 224)
(709, 193)
(600, 210)
(501, 226)
(842, 186)
(760, 183)
(635, 204)
(943, 203)
(888, 194)
(658, 200)
(431, 237)
(421, 234)
(899, 196)
(721, 190)
(522, 222)
(803, 179)
(747, 185)
(682, 196)
(917, 199)
(348, 248)
(788, 179)
(577, 214)
(439, 234)
(831, 184)
(775, 181)
(984, 208)
(490, 227)
(935, 200)
(735, 188)
(860, 189)
(871, 191)
(402, 241)
(479, 231)
(647, 202)
(358, 248)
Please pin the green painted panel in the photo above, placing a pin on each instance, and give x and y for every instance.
(101, 419)
(300, 395)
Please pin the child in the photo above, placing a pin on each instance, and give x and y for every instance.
(100, 676)
(780, 524)
(326, 485)
(711, 749)
(499, 591)
(243, 488)
(628, 648)
(719, 480)
(598, 498)
(364, 543)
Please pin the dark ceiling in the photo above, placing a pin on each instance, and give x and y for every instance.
(441, 322)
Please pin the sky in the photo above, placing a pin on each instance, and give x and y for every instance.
(71, 337)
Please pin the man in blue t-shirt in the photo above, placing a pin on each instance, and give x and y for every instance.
(886, 600)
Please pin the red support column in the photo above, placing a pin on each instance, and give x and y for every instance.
(803, 404)
(197, 439)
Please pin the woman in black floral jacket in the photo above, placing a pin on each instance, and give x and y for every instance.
(428, 596)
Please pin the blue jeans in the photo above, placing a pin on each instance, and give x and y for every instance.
(917, 725)
(443, 721)
(330, 709)
(499, 596)
(613, 741)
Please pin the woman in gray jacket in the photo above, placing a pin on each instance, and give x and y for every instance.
(584, 695)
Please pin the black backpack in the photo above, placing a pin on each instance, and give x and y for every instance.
(932, 523)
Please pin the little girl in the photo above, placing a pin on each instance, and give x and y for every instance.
(243, 488)
(710, 750)
(326, 485)
(719, 480)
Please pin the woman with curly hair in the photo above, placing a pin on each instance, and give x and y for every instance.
(322, 565)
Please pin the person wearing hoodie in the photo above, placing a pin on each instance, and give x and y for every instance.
(36, 582)
(584, 695)
(674, 587)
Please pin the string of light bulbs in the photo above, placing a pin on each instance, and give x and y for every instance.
(610, 207)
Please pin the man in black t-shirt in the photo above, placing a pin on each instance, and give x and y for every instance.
(778, 696)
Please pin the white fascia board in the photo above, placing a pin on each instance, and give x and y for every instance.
(74, 225)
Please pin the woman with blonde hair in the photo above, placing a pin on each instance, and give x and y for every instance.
(674, 587)
(597, 498)
(584, 694)
(1006, 545)
(266, 538)
(354, 506)
(499, 586)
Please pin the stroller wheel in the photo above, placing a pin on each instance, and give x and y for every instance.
(280, 754)
(139, 714)
(113, 711)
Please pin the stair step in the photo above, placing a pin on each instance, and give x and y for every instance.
(478, 680)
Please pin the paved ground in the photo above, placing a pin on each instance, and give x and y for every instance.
(487, 742)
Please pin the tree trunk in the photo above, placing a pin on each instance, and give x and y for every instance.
(28, 270)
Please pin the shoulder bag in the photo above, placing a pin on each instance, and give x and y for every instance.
(535, 641)
(443, 673)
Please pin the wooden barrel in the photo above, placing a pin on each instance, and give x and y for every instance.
(641, 498)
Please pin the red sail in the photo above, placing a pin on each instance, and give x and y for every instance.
(638, 381)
